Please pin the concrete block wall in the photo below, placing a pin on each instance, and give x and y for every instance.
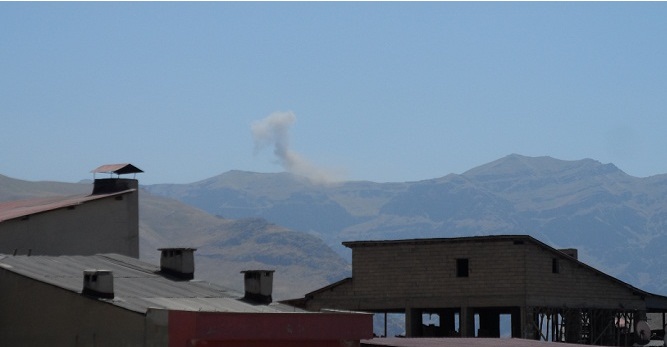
(425, 269)
(39, 314)
(575, 285)
(107, 225)
(502, 273)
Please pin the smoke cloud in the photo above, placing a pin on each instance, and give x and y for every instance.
(273, 131)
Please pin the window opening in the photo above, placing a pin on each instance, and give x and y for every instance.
(555, 265)
(462, 268)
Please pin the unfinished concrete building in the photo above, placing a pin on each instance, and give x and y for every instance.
(471, 282)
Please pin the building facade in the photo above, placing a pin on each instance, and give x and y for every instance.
(471, 282)
(70, 276)
(105, 221)
(115, 300)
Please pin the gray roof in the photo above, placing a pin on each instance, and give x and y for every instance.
(138, 286)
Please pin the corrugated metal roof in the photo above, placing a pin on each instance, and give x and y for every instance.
(118, 169)
(460, 342)
(21, 208)
(137, 285)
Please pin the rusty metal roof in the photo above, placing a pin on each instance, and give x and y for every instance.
(22, 208)
(118, 169)
(460, 342)
(138, 285)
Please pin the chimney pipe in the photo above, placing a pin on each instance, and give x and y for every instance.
(113, 185)
(98, 283)
(178, 262)
(258, 286)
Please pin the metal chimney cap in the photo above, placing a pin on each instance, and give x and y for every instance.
(253, 271)
(177, 249)
(118, 169)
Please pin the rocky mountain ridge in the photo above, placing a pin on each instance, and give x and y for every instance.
(617, 221)
(224, 246)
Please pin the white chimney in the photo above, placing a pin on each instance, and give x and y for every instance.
(178, 262)
(258, 285)
(98, 283)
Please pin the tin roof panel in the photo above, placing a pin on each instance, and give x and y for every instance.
(21, 208)
(138, 286)
(118, 169)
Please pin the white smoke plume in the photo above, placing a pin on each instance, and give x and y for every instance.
(274, 131)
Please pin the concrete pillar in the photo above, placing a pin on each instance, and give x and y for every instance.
(447, 322)
(467, 324)
(516, 323)
(603, 319)
(489, 323)
(572, 325)
(413, 322)
(528, 324)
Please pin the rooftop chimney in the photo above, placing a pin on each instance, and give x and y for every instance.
(98, 283)
(572, 252)
(258, 285)
(113, 185)
(178, 262)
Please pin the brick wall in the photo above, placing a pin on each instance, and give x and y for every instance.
(574, 285)
(494, 268)
(502, 272)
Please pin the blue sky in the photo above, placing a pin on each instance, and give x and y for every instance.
(385, 92)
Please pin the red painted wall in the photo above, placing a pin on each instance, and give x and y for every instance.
(188, 328)
(276, 344)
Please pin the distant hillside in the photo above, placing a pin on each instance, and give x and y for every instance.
(15, 189)
(615, 220)
(286, 199)
(225, 247)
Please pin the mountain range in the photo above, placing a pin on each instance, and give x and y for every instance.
(616, 221)
(224, 246)
(246, 220)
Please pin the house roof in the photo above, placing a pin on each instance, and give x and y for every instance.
(21, 208)
(118, 169)
(138, 286)
(353, 244)
(331, 286)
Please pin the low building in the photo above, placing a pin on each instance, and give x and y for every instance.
(470, 283)
(105, 221)
(116, 300)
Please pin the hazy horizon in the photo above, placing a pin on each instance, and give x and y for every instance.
(384, 92)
